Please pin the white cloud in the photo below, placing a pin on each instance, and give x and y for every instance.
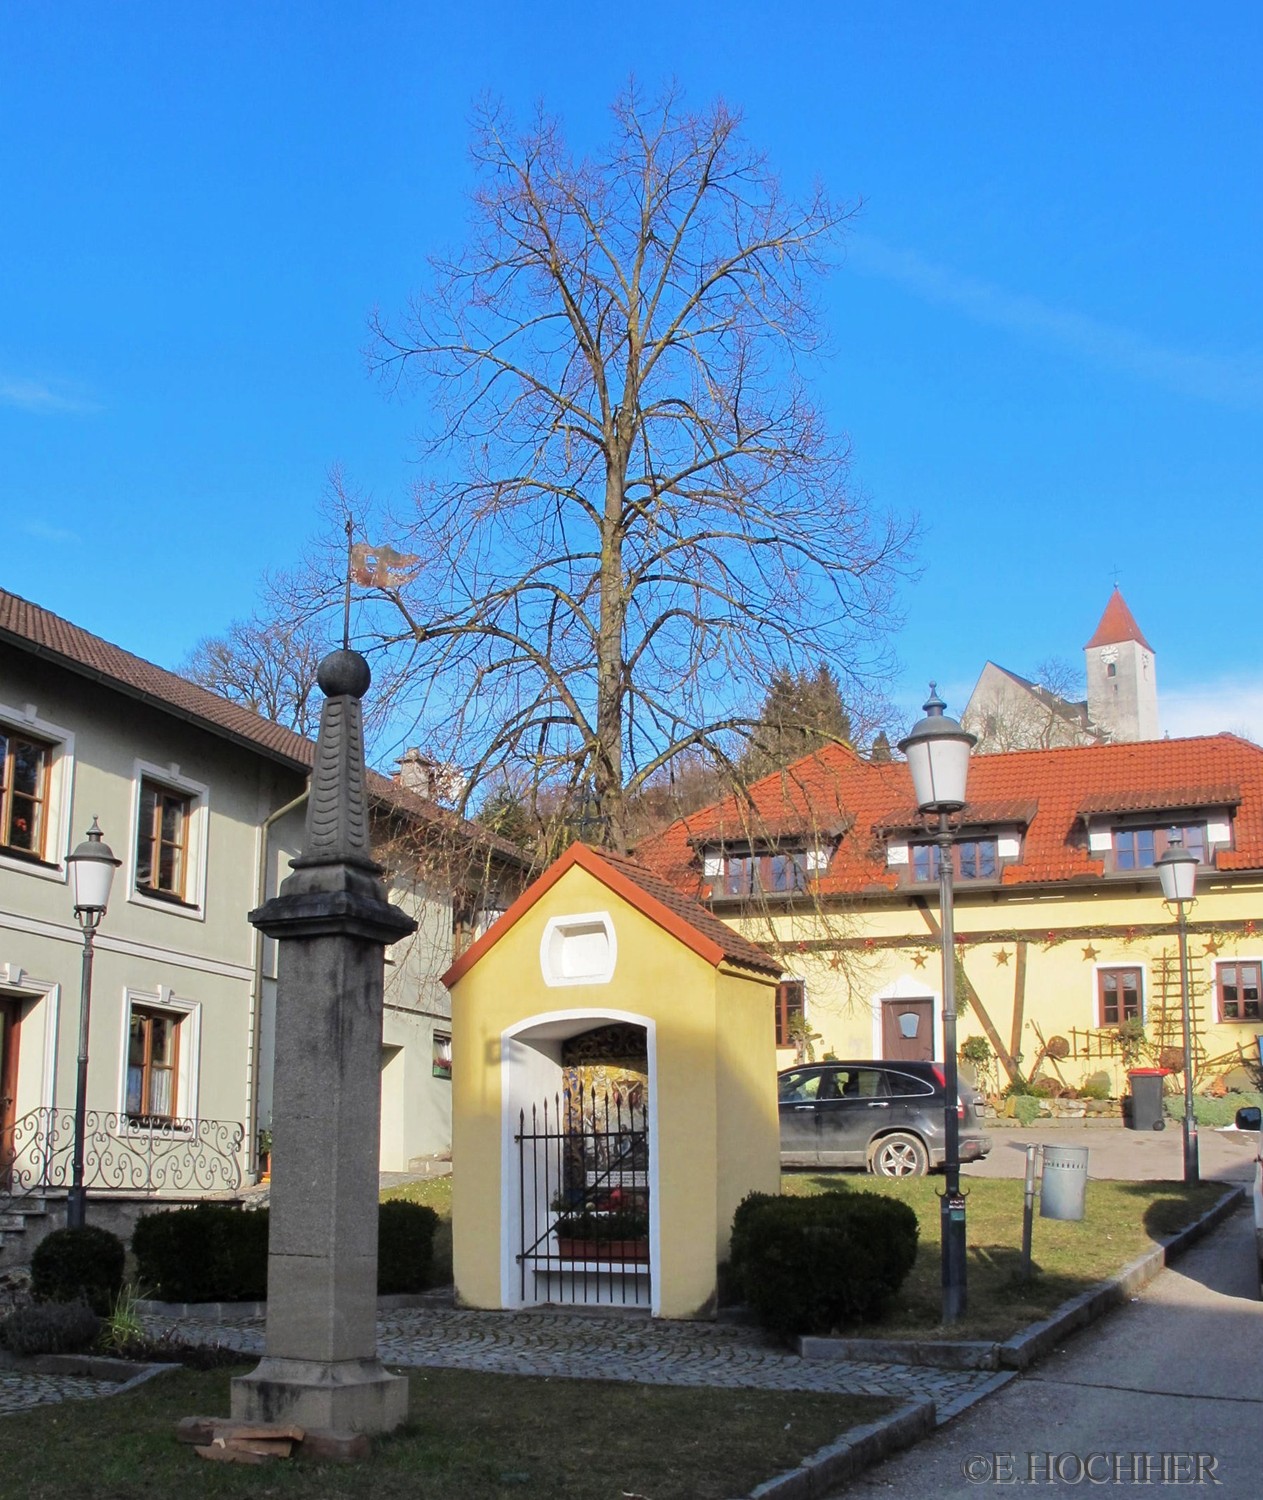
(43, 396)
(1234, 704)
(46, 533)
(1227, 380)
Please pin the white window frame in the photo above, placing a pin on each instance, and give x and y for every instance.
(57, 833)
(1220, 1019)
(187, 1079)
(193, 902)
(1098, 1021)
(562, 936)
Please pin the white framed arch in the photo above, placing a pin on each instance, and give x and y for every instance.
(530, 1068)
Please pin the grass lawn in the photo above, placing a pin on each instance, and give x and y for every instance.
(1122, 1221)
(469, 1436)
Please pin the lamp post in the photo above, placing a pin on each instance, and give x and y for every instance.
(1177, 869)
(937, 750)
(92, 867)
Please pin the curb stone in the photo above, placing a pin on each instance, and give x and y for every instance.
(944, 1354)
(850, 1455)
(244, 1312)
(1024, 1349)
(1034, 1342)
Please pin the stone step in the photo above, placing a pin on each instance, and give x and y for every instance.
(430, 1166)
(13, 1218)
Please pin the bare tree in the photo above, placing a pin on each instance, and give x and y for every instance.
(266, 664)
(636, 513)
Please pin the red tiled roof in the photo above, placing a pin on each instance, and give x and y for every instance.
(1159, 799)
(45, 634)
(649, 892)
(1018, 812)
(1117, 624)
(1059, 783)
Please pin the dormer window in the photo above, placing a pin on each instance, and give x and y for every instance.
(752, 874)
(739, 871)
(1140, 847)
(972, 859)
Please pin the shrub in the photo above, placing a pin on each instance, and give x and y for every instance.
(405, 1246)
(78, 1265)
(1210, 1112)
(211, 1252)
(1024, 1108)
(1095, 1086)
(810, 1265)
(216, 1252)
(50, 1328)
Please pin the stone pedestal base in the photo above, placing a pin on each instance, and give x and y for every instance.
(353, 1395)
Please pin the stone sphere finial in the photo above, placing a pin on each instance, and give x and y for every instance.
(343, 674)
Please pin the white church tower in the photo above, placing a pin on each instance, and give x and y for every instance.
(1122, 678)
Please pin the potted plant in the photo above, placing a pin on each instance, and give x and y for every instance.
(618, 1235)
(265, 1154)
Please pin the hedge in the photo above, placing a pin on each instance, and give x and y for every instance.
(79, 1265)
(215, 1252)
(810, 1265)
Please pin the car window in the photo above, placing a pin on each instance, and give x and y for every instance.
(804, 1084)
(905, 1083)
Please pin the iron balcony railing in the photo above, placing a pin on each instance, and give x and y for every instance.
(122, 1154)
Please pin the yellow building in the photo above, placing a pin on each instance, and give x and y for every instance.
(1061, 932)
(612, 1046)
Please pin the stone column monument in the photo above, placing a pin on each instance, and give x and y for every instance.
(332, 921)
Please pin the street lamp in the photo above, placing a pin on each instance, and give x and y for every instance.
(938, 758)
(1177, 869)
(92, 867)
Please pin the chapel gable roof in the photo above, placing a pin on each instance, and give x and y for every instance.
(650, 893)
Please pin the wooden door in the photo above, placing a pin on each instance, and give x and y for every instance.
(10, 1016)
(907, 1030)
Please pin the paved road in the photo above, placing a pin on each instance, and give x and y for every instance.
(1129, 1155)
(1177, 1372)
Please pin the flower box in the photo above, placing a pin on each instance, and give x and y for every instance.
(602, 1250)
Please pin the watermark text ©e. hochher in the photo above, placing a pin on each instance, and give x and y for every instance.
(1091, 1468)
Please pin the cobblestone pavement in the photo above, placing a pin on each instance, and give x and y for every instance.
(611, 1347)
(19, 1391)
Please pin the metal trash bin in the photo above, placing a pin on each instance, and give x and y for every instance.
(1146, 1098)
(1064, 1187)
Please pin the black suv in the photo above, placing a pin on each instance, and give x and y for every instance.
(886, 1116)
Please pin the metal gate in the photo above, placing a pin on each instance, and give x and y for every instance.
(583, 1197)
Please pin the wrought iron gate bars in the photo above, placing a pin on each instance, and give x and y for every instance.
(588, 1169)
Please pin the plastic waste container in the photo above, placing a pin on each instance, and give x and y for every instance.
(1063, 1189)
(1146, 1098)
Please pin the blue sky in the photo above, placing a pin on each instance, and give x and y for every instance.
(1048, 331)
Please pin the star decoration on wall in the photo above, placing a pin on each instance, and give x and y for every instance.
(919, 960)
(1212, 947)
(1089, 953)
(1003, 956)
(835, 962)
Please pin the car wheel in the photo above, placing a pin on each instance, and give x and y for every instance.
(899, 1156)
